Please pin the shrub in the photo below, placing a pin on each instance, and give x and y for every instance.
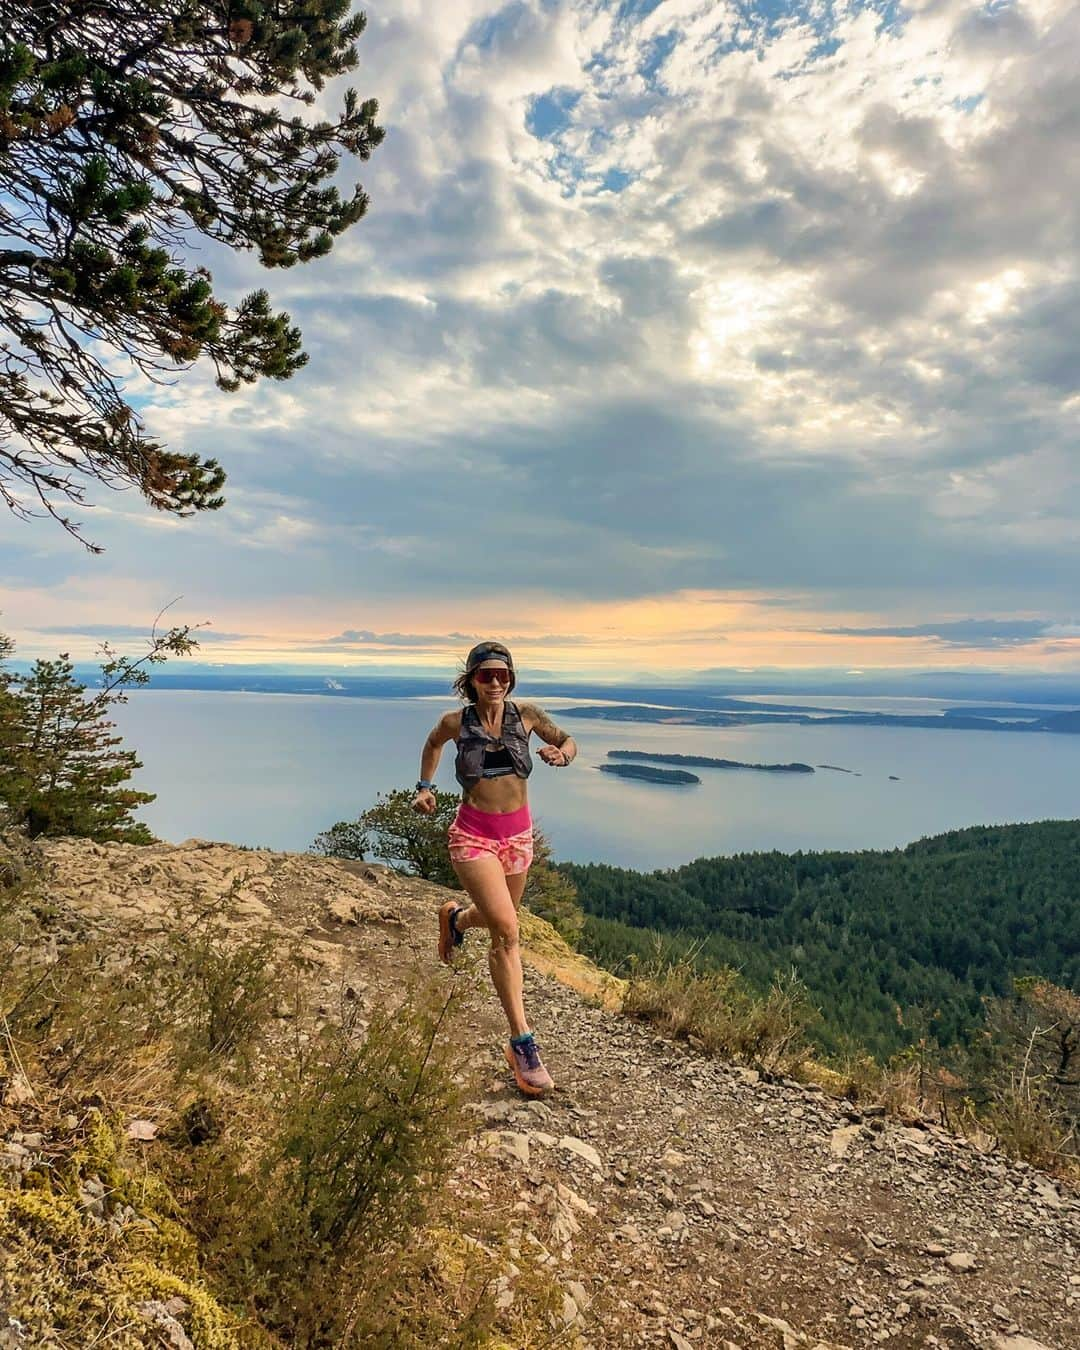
(715, 1009)
(396, 834)
(308, 1204)
(346, 839)
(220, 987)
(1024, 1073)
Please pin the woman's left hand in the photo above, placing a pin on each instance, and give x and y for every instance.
(553, 755)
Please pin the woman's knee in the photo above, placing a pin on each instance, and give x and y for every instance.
(504, 932)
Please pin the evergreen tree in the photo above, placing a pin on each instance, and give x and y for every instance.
(67, 773)
(62, 768)
(11, 715)
(126, 129)
(551, 894)
(943, 924)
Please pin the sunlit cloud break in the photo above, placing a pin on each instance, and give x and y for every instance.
(658, 300)
(972, 633)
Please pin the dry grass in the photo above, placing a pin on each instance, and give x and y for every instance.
(714, 1010)
(1007, 1099)
(547, 951)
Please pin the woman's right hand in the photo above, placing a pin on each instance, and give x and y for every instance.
(424, 802)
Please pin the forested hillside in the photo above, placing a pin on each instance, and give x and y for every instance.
(892, 945)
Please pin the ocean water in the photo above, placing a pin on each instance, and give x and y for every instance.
(276, 769)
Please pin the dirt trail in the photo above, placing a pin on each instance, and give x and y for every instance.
(721, 1200)
(677, 1200)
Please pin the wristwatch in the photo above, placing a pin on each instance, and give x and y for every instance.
(422, 783)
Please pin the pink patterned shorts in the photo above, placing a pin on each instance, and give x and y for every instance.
(506, 836)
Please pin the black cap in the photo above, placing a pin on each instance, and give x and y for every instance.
(484, 651)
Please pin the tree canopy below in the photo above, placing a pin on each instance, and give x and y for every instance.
(892, 945)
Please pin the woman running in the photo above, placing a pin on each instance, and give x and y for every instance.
(491, 840)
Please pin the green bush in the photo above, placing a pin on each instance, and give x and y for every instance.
(346, 839)
(219, 986)
(308, 1209)
(396, 834)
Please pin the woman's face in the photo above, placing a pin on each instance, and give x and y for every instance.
(491, 687)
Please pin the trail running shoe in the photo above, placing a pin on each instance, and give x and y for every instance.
(449, 937)
(529, 1072)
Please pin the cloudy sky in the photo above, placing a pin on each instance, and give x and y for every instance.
(679, 335)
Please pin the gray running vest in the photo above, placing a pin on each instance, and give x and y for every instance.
(474, 741)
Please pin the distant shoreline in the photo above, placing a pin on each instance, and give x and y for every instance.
(1060, 723)
(273, 770)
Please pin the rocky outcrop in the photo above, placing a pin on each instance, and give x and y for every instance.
(679, 1201)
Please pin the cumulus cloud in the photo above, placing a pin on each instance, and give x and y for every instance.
(364, 637)
(122, 632)
(656, 297)
(361, 637)
(966, 632)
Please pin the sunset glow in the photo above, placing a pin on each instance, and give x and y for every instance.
(676, 337)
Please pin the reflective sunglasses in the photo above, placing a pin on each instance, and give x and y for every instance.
(489, 674)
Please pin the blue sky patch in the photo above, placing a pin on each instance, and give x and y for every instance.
(659, 51)
(615, 180)
(637, 9)
(549, 113)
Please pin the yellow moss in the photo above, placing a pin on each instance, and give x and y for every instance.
(44, 1245)
(66, 1271)
(101, 1154)
(101, 1148)
(211, 1328)
(95, 1155)
(810, 1071)
(546, 951)
(54, 1219)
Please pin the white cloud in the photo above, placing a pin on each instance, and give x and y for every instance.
(718, 300)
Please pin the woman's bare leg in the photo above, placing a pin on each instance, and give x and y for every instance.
(470, 917)
(495, 900)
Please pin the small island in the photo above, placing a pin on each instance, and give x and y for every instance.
(707, 762)
(676, 777)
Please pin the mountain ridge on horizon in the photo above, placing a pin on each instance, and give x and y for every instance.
(1033, 688)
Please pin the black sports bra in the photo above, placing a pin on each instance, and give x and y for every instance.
(497, 762)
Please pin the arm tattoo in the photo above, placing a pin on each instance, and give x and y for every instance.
(545, 728)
